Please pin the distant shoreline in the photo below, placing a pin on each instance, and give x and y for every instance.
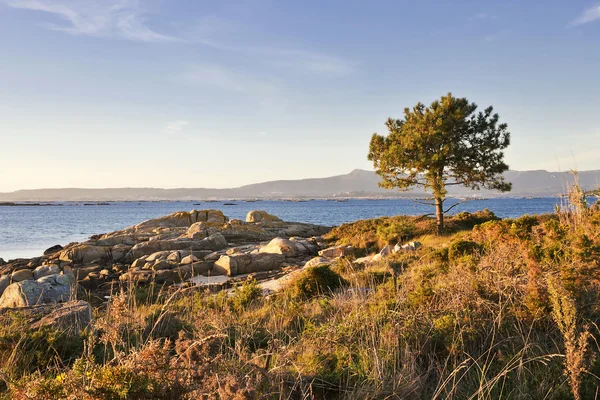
(57, 203)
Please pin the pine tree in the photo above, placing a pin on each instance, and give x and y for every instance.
(445, 144)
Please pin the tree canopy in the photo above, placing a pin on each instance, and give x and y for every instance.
(448, 143)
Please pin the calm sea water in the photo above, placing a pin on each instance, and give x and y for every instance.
(28, 231)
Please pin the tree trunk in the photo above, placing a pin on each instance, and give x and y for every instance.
(439, 214)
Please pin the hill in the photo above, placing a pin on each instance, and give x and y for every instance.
(358, 183)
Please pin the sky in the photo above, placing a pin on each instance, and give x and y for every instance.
(193, 93)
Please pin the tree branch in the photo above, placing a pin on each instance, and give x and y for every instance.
(454, 205)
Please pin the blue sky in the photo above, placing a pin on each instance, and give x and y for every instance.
(195, 93)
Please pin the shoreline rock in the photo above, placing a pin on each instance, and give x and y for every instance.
(172, 249)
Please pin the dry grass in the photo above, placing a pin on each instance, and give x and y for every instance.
(495, 310)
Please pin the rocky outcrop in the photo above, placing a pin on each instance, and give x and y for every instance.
(213, 242)
(262, 217)
(70, 318)
(86, 254)
(236, 264)
(49, 289)
(166, 250)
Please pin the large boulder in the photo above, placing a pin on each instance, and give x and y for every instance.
(69, 318)
(189, 259)
(49, 289)
(53, 249)
(21, 275)
(236, 264)
(314, 262)
(4, 282)
(337, 251)
(173, 220)
(182, 219)
(45, 270)
(86, 254)
(261, 216)
(280, 246)
(410, 246)
(214, 242)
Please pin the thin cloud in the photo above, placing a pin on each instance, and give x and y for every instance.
(226, 79)
(317, 64)
(175, 127)
(482, 16)
(590, 15)
(300, 60)
(110, 18)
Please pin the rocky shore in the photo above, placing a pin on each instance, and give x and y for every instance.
(184, 248)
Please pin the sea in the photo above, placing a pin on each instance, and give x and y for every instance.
(26, 231)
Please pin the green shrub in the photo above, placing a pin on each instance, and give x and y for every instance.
(244, 295)
(315, 281)
(462, 248)
(24, 350)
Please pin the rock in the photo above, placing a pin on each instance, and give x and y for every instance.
(373, 258)
(174, 257)
(177, 219)
(280, 246)
(160, 265)
(214, 256)
(166, 276)
(216, 241)
(119, 251)
(70, 318)
(411, 246)
(337, 251)
(86, 254)
(202, 267)
(134, 275)
(158, 256)
(82, 273)
(261, 216)
(317, 261)
(139, 263)
(45, 270)
(49, 289)
(189, 259)
(386, 251)
(53, 249)
(236, 264)
(216, 217)
(2, 262)
(21, 275)
(108, 240)
(34, 263)
(4, 282)
(182, 219)
(197, 231)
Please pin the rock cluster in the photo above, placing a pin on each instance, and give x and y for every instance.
(167, 250)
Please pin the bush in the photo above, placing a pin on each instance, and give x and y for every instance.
(462, 248)
(315, 281)
(244, 295)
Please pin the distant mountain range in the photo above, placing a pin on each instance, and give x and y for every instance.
(358, 183)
